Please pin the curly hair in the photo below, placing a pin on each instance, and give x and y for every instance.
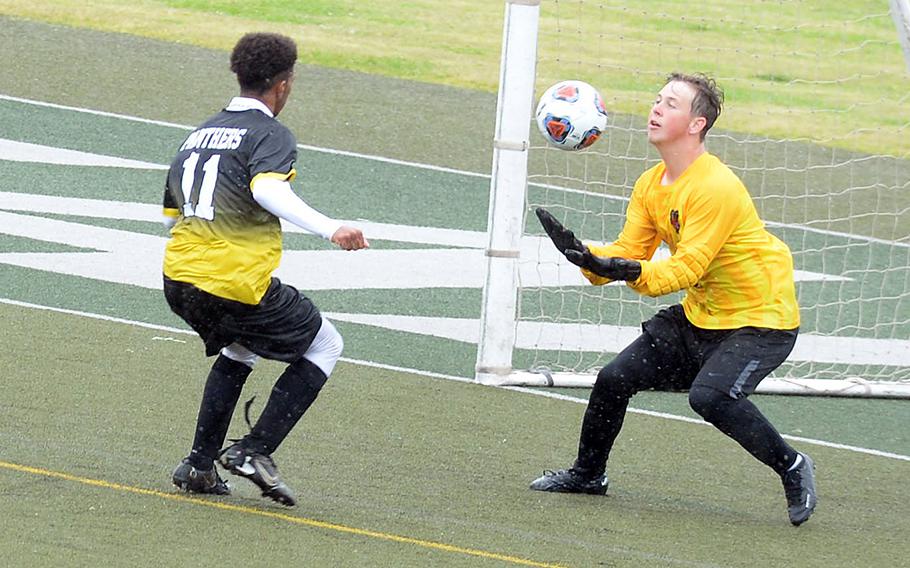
(259, 59)
(709, 98)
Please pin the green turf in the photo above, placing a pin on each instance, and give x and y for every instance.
(389, 452)
(793, 182)
(809, 417)
(880, 425)
(329, 110)
(402, 194)
(290, 241)
(362, 459)
(814, 69)
(23, 244)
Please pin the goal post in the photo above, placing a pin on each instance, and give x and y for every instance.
(900, 11)
(815, 130)
(505, 222)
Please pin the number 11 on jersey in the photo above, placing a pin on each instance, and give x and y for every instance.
(203, 207)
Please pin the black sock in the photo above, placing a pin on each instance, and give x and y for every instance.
(606, 411)
(292, 395)
(222, 390)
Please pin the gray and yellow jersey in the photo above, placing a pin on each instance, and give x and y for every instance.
(223, 241)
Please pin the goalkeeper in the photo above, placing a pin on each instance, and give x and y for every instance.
(738, 321)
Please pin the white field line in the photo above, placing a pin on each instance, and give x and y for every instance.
(188, 128)
(613, 338)
(418, 165)
(418, 372)
(25, 152)
(667, 416)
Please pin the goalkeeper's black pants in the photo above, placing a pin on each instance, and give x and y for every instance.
(719, 368)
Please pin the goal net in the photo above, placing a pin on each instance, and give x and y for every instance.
(816, 124)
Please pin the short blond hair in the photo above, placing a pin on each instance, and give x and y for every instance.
(709, 98)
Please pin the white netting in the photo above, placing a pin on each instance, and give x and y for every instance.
(816, 124)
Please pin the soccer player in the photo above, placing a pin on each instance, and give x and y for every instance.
(738, 321)
(226, 190)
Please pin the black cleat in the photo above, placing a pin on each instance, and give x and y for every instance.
(188, 478)
(570, 481)
(260, 469)
(799, 486)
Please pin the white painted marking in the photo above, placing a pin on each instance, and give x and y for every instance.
(24, 152)
(700, 422)
(301, 146)
(134, 258)
(130, 258)
(463, 267)
(612, 338)
(124, 257)
(101, 209)
(419, 165)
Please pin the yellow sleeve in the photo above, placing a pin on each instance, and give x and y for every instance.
(713, 213)
(288, 177)
(637, 241)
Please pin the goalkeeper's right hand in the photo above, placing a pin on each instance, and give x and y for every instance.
(562, 238)
(612, 267)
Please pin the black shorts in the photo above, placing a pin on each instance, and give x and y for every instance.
(280, 327)
(732, 361)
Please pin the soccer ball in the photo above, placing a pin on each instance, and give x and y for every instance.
(571, 115)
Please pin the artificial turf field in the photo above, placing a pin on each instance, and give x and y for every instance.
(392, 468)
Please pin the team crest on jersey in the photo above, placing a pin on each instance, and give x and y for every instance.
(674, 219)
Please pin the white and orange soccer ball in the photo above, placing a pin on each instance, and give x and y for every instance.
(571, 115)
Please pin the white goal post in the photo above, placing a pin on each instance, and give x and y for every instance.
(900, 11)
(837, 199)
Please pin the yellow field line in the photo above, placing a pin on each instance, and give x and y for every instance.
(280, 516)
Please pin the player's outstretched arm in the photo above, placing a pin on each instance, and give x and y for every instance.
(277, 197)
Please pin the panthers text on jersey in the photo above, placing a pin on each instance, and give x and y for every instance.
(224, 242)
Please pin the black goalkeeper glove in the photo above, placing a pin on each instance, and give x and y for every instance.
(563, 238)
(613, 267)
(578, 254)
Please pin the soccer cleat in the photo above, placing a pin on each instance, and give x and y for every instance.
(258, 468)
(799, 486)
(188, 478)
(570, 481)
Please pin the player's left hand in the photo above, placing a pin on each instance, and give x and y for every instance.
(614, 268)
(563, 238)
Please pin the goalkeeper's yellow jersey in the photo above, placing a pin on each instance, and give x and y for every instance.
(735, 273)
